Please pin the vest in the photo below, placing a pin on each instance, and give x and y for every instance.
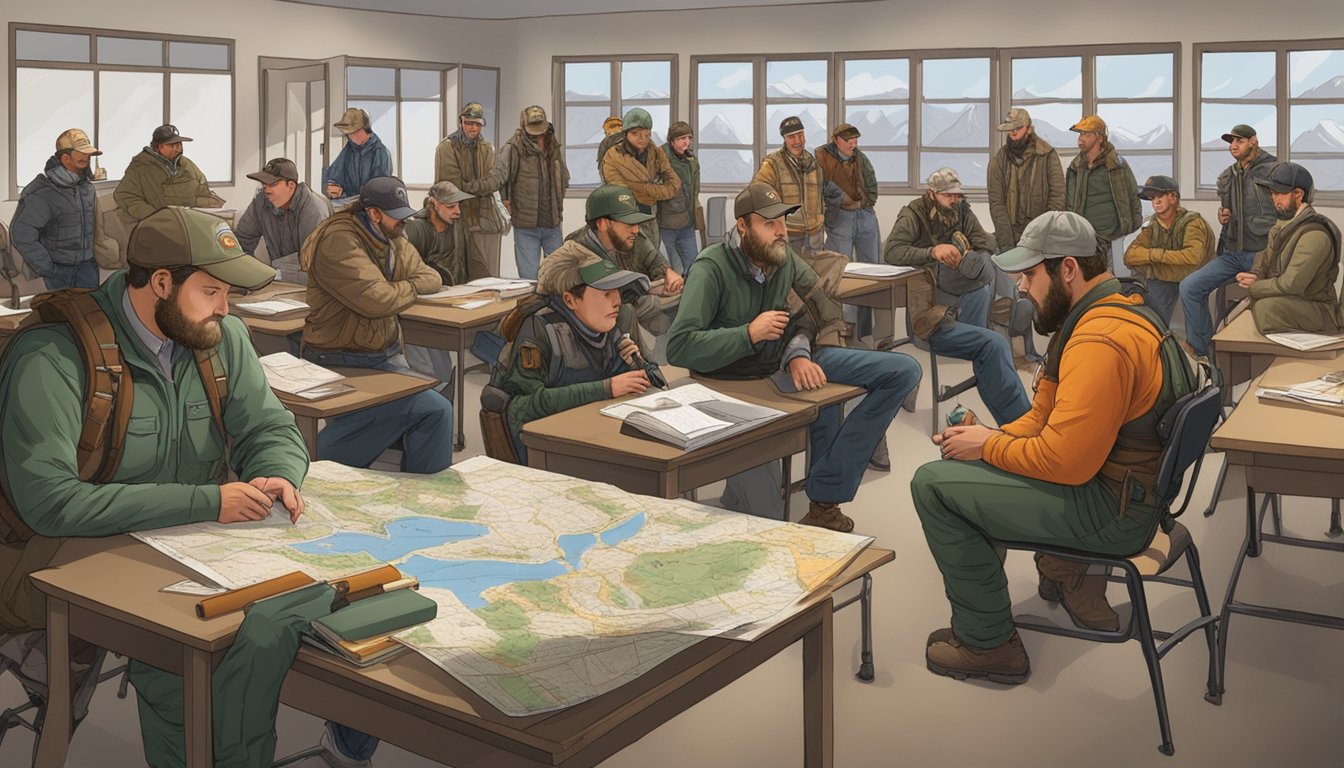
(803, 189)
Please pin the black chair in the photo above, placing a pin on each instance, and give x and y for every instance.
(1192, 420)
(716, 220)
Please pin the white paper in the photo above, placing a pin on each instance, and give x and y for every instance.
(272, 306)
(453, 292)
(189, 587)
(689, 420)
(6, 310)
(477, 304)
(864, 269)
(288, 373)
(501, 283)
(1303, 342)
(682, 395)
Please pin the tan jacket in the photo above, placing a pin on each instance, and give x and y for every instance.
(1171, 254)
(651, 181)
(779, 172)
(353, 303)
(1020, 193)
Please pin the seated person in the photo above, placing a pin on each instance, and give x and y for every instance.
(363, 158)
(733, 323)
(1057, 475)
(160, 175)
(283, 213)
(1292, 282)
(1172, 244)
(569, 350)
(440, 240)
(941, 235)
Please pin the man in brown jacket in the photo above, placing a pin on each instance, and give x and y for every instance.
(795, 175)
(641, 166)
(1172, 244)
(1026, 179)
(465, 159)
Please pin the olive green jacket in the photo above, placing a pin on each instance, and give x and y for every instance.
(151, 182)
(1124, 190)
(1020, 193)
(1297, 270)
(911, 240)
(468, 164)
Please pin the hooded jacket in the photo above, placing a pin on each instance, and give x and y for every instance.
(911, 240)
(1124, 190)
(357, 163)
(283, 230)
(54, 223)
(468, 164)
(523, 169)
(1020, 193)
(151, 182)
(1297, 271)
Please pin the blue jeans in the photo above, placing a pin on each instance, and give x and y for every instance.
(530, 244)
(854, 235)
(1195, 290)
(681, 246)
(1162, 297)
(81, 275)
(972, 306)
(840, 446)
(992, 362)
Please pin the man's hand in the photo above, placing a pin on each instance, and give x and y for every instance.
(767, 326)
(672, 282)
(806, 374)
(282, 489)
(507, 207)
(242, 503)
(334, 190)
(963, 443)
(629, 383)
(1224, 215)
(1244, 279)
(627, 349)
(947, 255)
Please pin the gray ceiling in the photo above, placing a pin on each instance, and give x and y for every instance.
(523, 9)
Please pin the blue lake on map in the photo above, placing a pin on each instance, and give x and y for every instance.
(467, 579)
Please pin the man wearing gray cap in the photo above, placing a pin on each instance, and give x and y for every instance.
(1292, 283)
(795, 176)
(1076, 471)
(465, 158)
(160, 175)
(438, 235)
(283, 213)
(201, 406)
(363, 157)
(1026, 179)
(1173, 243)
(736, 321)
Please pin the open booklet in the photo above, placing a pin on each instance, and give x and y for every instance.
(489, 287)
(277, 307)
(1326, 391)
(864, 269)
(1305, 342)
(690, 416)
(301, 378)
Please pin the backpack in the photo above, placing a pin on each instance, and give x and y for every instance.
(108, 393)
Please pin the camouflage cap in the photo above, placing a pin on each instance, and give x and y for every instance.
(178, 237)
(1017, 117)
(946, 181)
(568, 267)
(612, 201)
(446, 192)
(76, 140)
(474, 112)
(353, 120)
(533, 121)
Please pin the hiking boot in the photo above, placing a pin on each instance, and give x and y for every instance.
(825, 515)
(1083, 595)
(947, 655)
(931, 320)
(881, 459)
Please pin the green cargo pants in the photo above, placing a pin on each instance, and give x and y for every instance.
(965, 507)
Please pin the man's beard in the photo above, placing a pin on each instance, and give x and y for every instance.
(1286, 213)
(180, 330)
(621, 247)
(1050, 315)
(760, 252)
(1017, 146)
(947, 216)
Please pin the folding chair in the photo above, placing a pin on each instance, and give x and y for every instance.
(716, 220)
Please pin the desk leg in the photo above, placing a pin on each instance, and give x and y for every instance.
(196, 712)
(54, 742)
(819, 693)
(1335, 529)
(308, 430)
(459, 387)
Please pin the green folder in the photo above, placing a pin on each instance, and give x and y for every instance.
(378, 615)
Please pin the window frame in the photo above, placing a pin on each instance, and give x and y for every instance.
(911, 105)
(917, 179)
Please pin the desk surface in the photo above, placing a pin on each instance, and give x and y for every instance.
(1241, 337)
(763, 391)
(371, 388)
(1283, 429)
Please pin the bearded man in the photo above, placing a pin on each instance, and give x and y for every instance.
(734, 322)
(1025, 180)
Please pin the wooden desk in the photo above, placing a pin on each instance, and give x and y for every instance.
(1242, 353)
(407, 701)
(269, 334)
(884, 295)
(371, 388)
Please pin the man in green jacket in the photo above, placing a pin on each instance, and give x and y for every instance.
(1026, 179)
(160, 175)
(734, 321)
(465, 158)
(171, 301)
(677, 217)
(1100, 185)
(439, 236)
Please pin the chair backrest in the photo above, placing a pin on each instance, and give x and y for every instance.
(716, 219)
(1188, 424)
(1130, 285)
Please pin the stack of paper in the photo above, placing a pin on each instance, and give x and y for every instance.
(301, 378)
(1304, 342)
(690, 416)
(864, 269)
(279, 307)
(1328, 391)
(6, 309)
(492, 287)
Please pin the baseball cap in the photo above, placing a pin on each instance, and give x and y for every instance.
(1239, 131)
(1052, 235)
(533, 120)
(568, 267)
(1090, 124)
(612, 124)
(275, 170)
(387, 194)
(78, 141)
(446, 192)
(1017, 117)
(846, 131)
(762, 200)
(177, 237)
(946, 181)
(473, 111)
(1158, 185)
(1285, 177)
(167, 134)
(352, 120)
(790, 125)
(612, 201)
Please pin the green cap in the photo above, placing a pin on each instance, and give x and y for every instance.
(612, 201)
(571, 265)
(178, 237)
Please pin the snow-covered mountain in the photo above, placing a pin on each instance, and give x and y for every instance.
(795, 87)
(585, 96)
(865, 86)
(878, 128)
(718, 131)
(724, 166)
(1325, 136)
(965, 126)
(1158, 138)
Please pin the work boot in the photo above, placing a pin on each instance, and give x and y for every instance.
(947, 655)
(880, 460)
(824, 515)
(1083, 595)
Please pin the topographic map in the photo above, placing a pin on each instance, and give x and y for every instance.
(551, 590)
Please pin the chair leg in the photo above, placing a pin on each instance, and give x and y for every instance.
(1213, 695)
(1217, 487)
(933, 378)
(1276, 510)
(1335, 529)
(1139, 604)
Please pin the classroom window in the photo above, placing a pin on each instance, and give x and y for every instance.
(119, 86)
(875, 94)
(955, 118)
(593, 89)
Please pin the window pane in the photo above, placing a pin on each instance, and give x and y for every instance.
(481, 85)
(1149, 165)
(877, 79)
(383, 116)
(1138, 126)
(1217, 119)
(49, 101)
(646, 80)
(970, 167)
(1248, 75)
(955, 125)
(1316, 74)
(130, 108)
(956, 78)
(1141, 76)
(588, 81)
(1052, 78)
(812, 115)
(421, 84)
(51, 46)
(1211, 164)
(726, 166)
(1316, 128)
(420, 132)
(583, 125)
(202, 108)
(890, 167)
(1052, 122)
(198, 55)
(795, 80)
(881, 124)
(582, 162)
(1327, 173)
(725, 124)
(725, 80)
(662, 119)
(126, 50)
(371, 81)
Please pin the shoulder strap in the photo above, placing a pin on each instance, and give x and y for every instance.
(216, 381)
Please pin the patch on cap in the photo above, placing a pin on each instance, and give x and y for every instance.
(226, 239)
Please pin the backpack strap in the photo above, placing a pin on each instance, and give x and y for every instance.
(216, 381)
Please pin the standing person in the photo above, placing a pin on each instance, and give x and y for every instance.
(1172, 244)
(795, 176)
(363, 157)
(613, 130)
(677, 216)
(465, 159)
(849, 190)
(1026, 179)
(53, 226)
(641, 166)
(1100, 186)
(283, 213)
(1246, 213)
(532, 178)
(161, 175)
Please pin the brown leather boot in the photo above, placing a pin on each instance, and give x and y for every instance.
(1083, 595)
(825, 515)
(1007, 664)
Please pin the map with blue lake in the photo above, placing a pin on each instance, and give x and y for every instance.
(550, 590)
